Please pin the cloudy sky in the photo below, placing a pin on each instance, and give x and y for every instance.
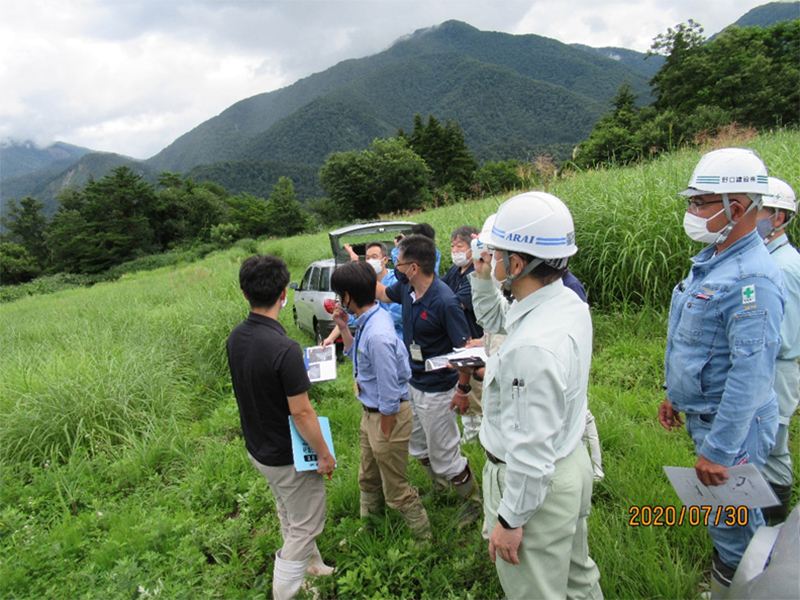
(130, 76)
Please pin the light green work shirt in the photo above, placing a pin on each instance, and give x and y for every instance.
(787, 258)
(534, 390)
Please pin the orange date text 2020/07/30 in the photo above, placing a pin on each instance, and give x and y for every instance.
(669, 516)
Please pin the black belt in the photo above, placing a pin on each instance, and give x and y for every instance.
(493, 459)
(369, 409)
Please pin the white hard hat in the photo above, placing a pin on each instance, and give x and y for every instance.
(533, 223)
(781, 196)
(729, 171)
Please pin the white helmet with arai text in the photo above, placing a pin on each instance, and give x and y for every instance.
(536, 224)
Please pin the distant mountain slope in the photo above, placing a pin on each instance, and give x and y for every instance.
(766, 15)
(648, 65)
(45, 184)
(258, 177)
(447, 85)
(769, 14)
(245, 129)
(21, 158)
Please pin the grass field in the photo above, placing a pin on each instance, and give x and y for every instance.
(124, 473)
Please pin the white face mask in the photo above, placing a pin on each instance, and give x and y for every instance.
(696, 227)
(284, 301)
(498, 284)
(459, 259)
(376, 263)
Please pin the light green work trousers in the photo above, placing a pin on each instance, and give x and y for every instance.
(554, 552)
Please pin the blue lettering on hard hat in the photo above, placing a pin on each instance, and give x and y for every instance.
(499, 233)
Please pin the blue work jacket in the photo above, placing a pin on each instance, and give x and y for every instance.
(722, 341)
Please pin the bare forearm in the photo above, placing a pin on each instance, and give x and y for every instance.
(308, 427)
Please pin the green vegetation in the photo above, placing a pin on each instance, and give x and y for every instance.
(744, 77)
(122, 219)
(389, 177)
(124, 473)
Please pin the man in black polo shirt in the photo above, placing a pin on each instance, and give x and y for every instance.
(433, 324)
(270, 383)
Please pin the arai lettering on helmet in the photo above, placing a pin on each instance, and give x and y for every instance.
(538, 241)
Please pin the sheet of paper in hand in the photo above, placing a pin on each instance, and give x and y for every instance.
(462, 357)
(745, 486)
(305, 459)
(320, 363)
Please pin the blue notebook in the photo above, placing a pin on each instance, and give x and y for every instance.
(305, 459)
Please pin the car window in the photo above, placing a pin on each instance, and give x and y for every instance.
(325, 279)
(314, 285)
(306, 279)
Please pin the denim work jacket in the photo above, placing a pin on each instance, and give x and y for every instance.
(723, 339)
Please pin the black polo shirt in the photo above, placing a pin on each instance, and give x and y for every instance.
(462, 287)
(266, 367)
(437, 323)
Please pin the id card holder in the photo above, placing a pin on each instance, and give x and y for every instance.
(416, 352)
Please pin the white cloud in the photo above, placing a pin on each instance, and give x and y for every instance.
(130, 76)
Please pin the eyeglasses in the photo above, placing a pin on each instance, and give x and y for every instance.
(403, 264)
(695, 205)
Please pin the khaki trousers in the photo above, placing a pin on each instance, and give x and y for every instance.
(300, 498)
(554, 552)
(384, 462)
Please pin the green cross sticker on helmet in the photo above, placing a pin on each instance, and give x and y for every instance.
(748, 294)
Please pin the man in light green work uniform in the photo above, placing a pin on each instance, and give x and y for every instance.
(537, 480)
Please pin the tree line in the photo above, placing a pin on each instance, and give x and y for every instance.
(121, 217)
(746, 76)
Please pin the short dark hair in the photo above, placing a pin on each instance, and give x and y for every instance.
(262, 279)
(424, 229)
(381, 245)
(419, 249)
(464, 233)
(357, 280)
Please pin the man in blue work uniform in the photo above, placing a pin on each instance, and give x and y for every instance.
(724, 336)
(433, 324)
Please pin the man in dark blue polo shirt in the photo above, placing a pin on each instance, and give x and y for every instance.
(433, 324)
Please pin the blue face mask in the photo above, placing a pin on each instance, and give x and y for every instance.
(401, 277)
(764, 227)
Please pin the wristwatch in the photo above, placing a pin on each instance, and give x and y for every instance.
(466, 388)
(504, 523)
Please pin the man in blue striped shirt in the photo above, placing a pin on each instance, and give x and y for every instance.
(381, 372)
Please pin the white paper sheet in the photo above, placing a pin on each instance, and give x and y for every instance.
(745, 487)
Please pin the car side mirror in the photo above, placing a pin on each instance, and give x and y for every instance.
(293, 286)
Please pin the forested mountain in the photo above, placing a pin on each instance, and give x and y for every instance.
(21, 158)
(648, 65)
(45, 184)
(514, 96)
(767, 14)
(258, 177)
(358, 100)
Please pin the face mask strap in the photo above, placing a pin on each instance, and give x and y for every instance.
(528, 268)
(755, 200)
